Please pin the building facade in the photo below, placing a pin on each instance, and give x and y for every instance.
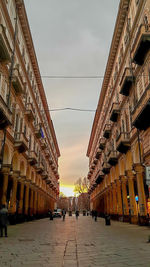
(119, 146)
(28, 147)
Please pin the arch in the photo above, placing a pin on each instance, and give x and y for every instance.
(22, 168)
(129, 160)
(15, 162)
(136, 154)
(6, 158)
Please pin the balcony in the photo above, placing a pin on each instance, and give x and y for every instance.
(37, 131)
(53, 167)
(50, 161)
(112, 157)
(93, 166)
(105, 168)
(5, 55)
(48, 181)
(43, 144)
(141, 111)
(107, 131)
(32, 158)
(44, 175)
(114, 112)
(141, 45)
(100, 177)
(39, 168)
(95, 161)
(102, 143)
(98, 153)
(17, 82)
(20, 142)
(123, 142)
(126, 82)
(29, 113)
(5, 115)
(47, 153)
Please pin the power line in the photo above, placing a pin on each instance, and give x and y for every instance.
(73, 109)
(71, 77)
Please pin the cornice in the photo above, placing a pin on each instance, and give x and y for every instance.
(29, 43)
(123, 6)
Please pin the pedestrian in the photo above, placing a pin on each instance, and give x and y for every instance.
(63, 214)
(77, 214)
(3, 220)
(50, 215)
(92, 214)
(95, 215)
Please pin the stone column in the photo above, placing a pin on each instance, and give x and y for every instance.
(4, 189)
(35, 203)
(26, 199)
(124, 197)
(111, 199)
(141, 192)
(108, 202)
(13, 196)
(119, 198)
(133, 205)
(21, 196)
(114, 198)
(31, 202)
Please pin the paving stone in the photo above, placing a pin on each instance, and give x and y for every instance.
(72, 243)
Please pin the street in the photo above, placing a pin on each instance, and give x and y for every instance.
(72, 242)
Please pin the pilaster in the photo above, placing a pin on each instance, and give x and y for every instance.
(139, 169)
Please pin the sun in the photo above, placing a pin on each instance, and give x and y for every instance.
(67, 190)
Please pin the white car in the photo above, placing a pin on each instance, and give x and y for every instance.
(57, 213)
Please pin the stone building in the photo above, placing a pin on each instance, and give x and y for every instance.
(119, 146)
(28, 147)
(83, 202)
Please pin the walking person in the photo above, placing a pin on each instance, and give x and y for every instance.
(95, 215)
(92, 214)
(63, 214)
(50, 215)
(3, 220)
(77, 214)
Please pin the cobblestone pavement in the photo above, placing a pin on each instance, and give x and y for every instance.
(83, 243)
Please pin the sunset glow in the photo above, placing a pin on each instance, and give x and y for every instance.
(67, 190)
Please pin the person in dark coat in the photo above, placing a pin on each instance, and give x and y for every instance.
(77, 214)
(3, 220)
(95, 215)
(92, 214)
(63, 214)
(50, 215)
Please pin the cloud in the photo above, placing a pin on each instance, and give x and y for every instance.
(72, 37)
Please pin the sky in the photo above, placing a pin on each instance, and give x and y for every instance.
(72, 38)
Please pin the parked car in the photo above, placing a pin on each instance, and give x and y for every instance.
(57, 213)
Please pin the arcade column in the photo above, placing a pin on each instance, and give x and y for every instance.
(4, 189)
(124, 198)
(21, 196)
(139, 169)
(133, 205)
(119, 198)
(26, 198)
